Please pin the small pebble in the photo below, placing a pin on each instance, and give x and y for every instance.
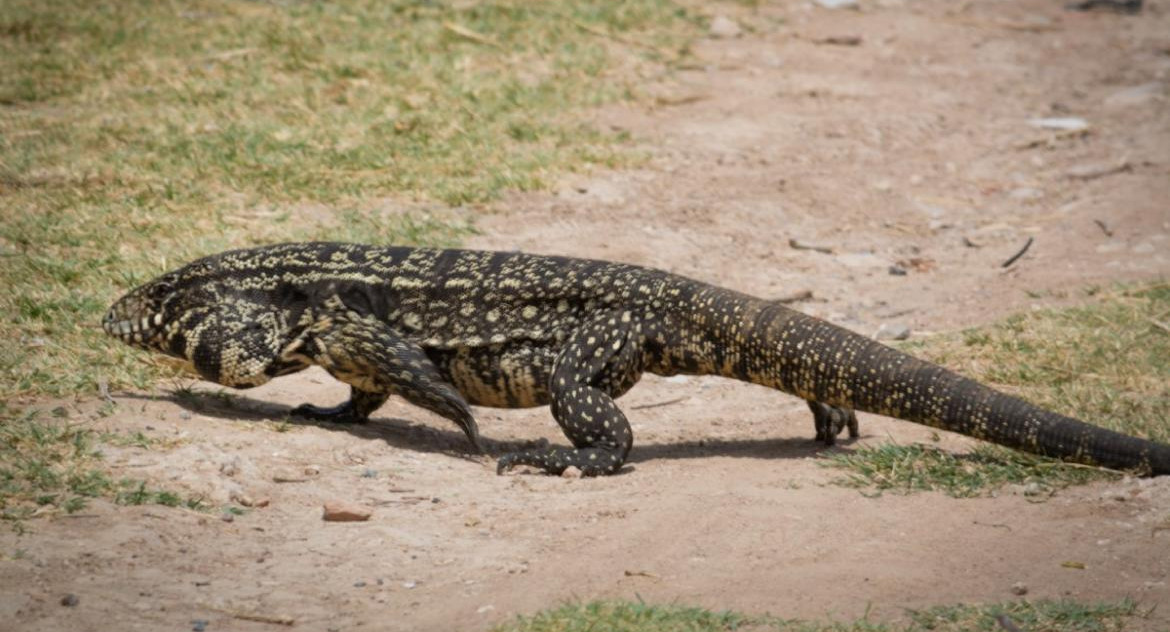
(199, 625)
(723, 27)
(1019, 588)
(288, 476)
(1025, 193)
(892, 331)
(230, 468)
(838, 4)
(368, 473)
(228, 517)
(1063, 124)
(335, 511)
(1136, 95)
(70, 600)
(897, 271)
(571, 472)
(359, 584)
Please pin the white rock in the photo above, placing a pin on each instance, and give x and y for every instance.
(571, 472)
(1135, 95)
(1063, 124)
(1025, 193)
(838, 4)
(723, 27)
(892, 331)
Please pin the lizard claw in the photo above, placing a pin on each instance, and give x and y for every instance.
(505, 464)
(340, 414)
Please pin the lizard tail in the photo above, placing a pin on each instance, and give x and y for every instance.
(774, 346)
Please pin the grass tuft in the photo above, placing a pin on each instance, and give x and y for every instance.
(1057, 616)
(138, 135)
(52, 466)
(623, 616)
(47, 466)
(1106, 363)
(921, 468)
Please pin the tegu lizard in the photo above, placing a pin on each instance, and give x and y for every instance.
(447, 329)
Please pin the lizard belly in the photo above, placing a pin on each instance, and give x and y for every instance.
(508, 375)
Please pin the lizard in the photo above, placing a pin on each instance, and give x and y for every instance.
(446, 329)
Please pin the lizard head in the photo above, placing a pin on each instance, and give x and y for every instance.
(150, 315)
(140, 317)
(227, 333)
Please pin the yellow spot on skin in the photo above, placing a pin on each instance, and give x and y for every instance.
(407, 283)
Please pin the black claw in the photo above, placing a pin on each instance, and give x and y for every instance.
(340, 414)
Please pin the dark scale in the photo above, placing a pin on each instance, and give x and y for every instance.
(445, 329)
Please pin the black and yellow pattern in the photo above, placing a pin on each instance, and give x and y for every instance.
(446, 329)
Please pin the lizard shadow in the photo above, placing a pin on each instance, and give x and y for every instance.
(422, 437)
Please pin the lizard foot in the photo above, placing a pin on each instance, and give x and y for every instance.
(341, 414)
(831, 420)
(591, 461)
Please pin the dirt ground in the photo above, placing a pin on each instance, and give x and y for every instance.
(913, 149)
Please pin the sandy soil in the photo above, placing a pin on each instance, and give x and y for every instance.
(912, 149)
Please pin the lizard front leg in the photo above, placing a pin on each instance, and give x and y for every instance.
(369, 356)
(357, 409)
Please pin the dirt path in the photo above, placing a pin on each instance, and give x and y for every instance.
(897, 152)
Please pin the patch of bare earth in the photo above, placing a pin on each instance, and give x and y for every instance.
(912, 150)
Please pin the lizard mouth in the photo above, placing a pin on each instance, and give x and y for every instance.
(133, 330)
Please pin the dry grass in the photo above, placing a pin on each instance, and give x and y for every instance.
(135, 135)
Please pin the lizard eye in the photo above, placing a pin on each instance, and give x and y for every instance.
(161, 290)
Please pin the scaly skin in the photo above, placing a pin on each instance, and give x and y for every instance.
(449, 328)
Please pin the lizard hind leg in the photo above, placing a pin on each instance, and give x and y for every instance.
(601, 361)
(599, 431)
(829, 421)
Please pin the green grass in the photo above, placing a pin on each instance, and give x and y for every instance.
(923, 468)
(50, 466)
(1107, 363)
(137, 135)
(621, 616)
